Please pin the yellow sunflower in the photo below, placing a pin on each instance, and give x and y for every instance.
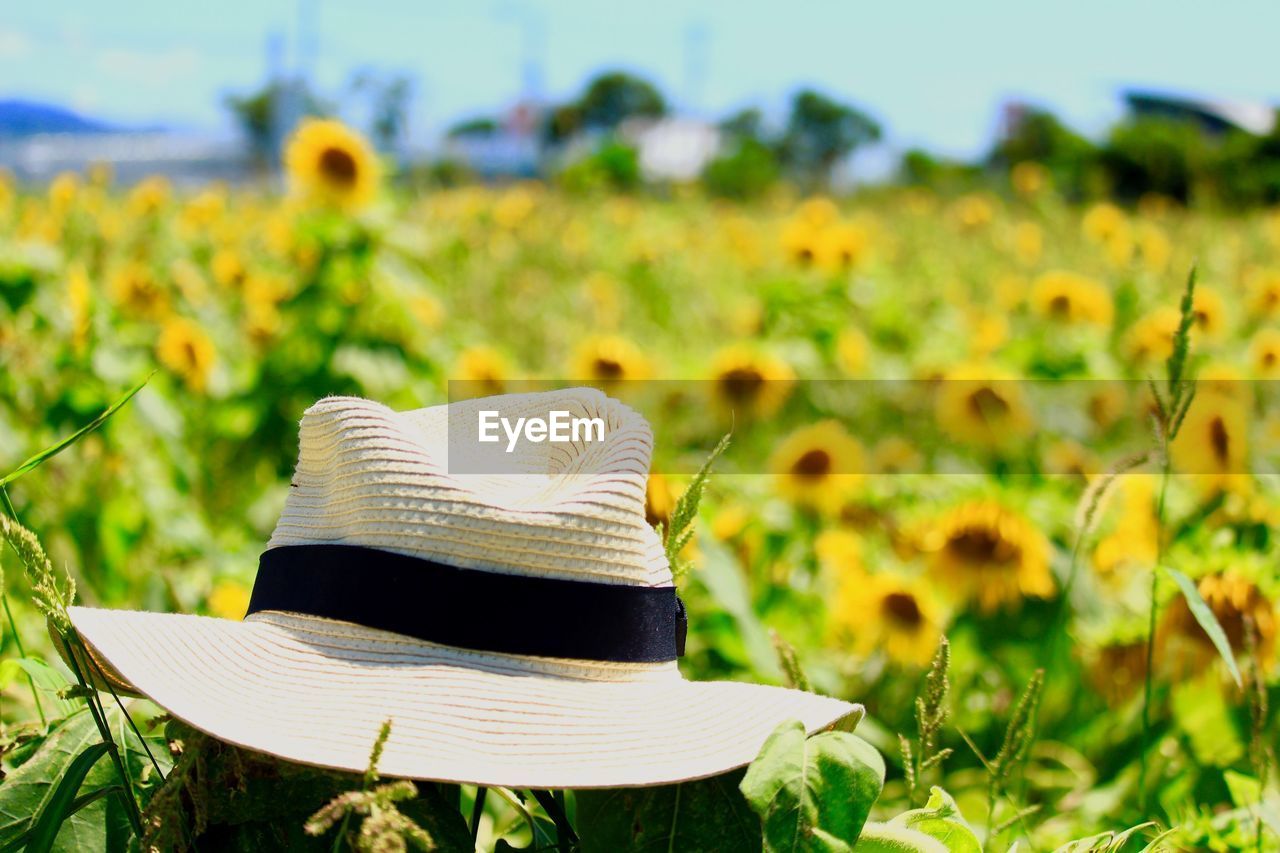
(608, 359)
(1236, 601)
(1028, 243)
(1029, 178)
(228, 599)
(1069, 298)
(896, 455)
(1210, 312)
(989, 554)
(983, 408)
(1214, 438)
(1132, 543)
(842, 246)
(136, 291)
(659, 500)
(1264, 293)
(485, 369)
(185, 349)
(883, 612)
(851, 351)
(332, 165)
(816, 466)
(1102, 222)
(1264, 354)
(1150, 339)
(800, 242)
(746, 383)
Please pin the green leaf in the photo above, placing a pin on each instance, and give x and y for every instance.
(42, 675)
(704, 815)
(1209, 622)
(76, 805)
(813, 793)
(727, 584)
(891, 838)
(28, 790)
(941, 819)
(58, 808)
(49, 452)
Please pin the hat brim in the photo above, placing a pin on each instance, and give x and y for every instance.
(317, 692)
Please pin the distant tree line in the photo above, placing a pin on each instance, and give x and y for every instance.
(1141, 155)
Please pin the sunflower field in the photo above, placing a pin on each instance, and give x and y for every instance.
(1064, 638)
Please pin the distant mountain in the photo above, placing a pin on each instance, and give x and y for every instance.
(23, 118)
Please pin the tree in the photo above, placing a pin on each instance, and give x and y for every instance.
(263, 114)
(744, 124)
(389, 106)
(1038, 136)
(821, 131)
(615, 96)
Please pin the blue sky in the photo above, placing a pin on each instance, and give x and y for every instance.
(934, 73)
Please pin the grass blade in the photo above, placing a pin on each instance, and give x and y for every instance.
(59, 806)
(1209, 622)
(49, 452)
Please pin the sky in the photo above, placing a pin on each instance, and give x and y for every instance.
(934, 73)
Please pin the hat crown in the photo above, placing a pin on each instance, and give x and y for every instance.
(374, 477)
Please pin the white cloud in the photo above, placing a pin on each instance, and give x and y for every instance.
(149, 68)
(14, 45)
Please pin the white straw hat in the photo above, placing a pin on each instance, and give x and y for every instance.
(519, 627)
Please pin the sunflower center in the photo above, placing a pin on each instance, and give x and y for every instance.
(742, 383)
(1060, 305)
(987, 404)
(338, 166)
(608, 368)
(812, 465)
(902, 608)
(1269, 358)
(981, 546)
(1220, 441)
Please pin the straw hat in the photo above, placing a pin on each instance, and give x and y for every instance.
(519, 628)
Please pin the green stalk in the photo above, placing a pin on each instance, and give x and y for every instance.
(76, 647)
(1151, 626)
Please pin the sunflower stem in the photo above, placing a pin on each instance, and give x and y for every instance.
(1151, 622)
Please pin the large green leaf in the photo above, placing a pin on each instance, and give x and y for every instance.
(727, 584)
(28, 790)
(1209, 622)
(59, 807)
(705, 815)
(891, 838)
(813, 793)
(941, 819)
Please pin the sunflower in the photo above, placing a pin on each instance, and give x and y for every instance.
(228, 600)
(896, 455)
(136, 290)
(842, 246)
(659, 500)
(1214, 438)
(1154, 248)
(990, 554)
(330, 164)
(608, 359)
(1117, 669)
(1102, 222)
(746, 383)
(1069, 298)
(485, 369)
(851, 351)
(973, 211)
(1133, 540)
(185, 349)
(1028, 243)
(1237, 602)
(1264, 293)
(79, 304)
(800, 242)
(982, 410)
(1210, 312)
(839, 552)
(816, 466)
(1150, 339)
(149, 196)
(1264, 354)
(896, 615)
(1029, 178)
